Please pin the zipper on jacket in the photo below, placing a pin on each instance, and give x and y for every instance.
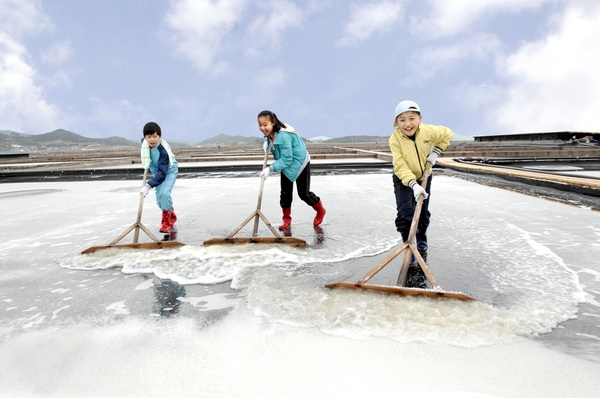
(418, 157)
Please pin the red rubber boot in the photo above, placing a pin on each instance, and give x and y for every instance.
(165, 222)
(320, 213)
(172, 217)
(287, 218)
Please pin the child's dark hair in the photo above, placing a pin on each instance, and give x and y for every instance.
(151, 128)
(278, 123)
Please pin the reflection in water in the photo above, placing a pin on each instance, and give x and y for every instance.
(167, 297)
(172, 235)
(415, 277)
(319, 236)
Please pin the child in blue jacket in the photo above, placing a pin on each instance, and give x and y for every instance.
(293, 160)
(157, 156)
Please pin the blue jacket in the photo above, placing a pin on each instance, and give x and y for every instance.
(159, 165)
(290, 153)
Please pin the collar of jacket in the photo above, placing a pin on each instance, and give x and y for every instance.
(407, 137)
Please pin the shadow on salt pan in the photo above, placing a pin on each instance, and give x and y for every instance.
(213, 302)
(29, 192)
(169, 296)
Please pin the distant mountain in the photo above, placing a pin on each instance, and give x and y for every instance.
(226, 139)
(380, 138)
(63, 139)
(10, 133)
(458, 137)
(319, 139)
(180, 143)
(64, 136)
(359, 138)
(58, 139)
(59, 135)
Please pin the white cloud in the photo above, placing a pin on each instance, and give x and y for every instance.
(369, 20)
(61, 78)
(448, 18)
(196, 29)
(274, 17)
(554, 83)
(22, 104)
(58, 53)
(22, 17)
(433, 60)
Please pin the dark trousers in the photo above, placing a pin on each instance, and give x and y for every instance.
(303, 186)
(405, 206)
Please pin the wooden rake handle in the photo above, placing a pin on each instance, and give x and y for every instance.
(138, 221)
(260, 194)
(417, 214)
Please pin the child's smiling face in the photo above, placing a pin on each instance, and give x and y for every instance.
(265, 124)
(152, 139)
(408, 122)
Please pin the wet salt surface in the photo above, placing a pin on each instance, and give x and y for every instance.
(235, 314)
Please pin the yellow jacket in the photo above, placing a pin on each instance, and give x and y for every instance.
(410, 156)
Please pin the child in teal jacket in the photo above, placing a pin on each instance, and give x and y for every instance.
(293, 161)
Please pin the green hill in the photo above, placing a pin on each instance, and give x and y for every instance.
(58, 138)
(67, 139)
(358, 138)
(226, 139)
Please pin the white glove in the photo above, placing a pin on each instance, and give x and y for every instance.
(265, 146)
(265, 172)
(432, 158)
(418, 190)
(145, 189)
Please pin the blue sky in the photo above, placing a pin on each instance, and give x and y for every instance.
(327, 67)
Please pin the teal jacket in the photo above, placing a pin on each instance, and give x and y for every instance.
(290, 153)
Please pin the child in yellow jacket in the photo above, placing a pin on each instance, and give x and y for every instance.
(412, 145)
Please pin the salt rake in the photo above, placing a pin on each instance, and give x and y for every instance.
(409, 248)
(256, 215)
(155, 244)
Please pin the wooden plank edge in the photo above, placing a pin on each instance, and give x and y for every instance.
(402, 291)
(295, 242)
(146, 246)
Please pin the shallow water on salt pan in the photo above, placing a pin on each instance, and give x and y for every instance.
(530, 263)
